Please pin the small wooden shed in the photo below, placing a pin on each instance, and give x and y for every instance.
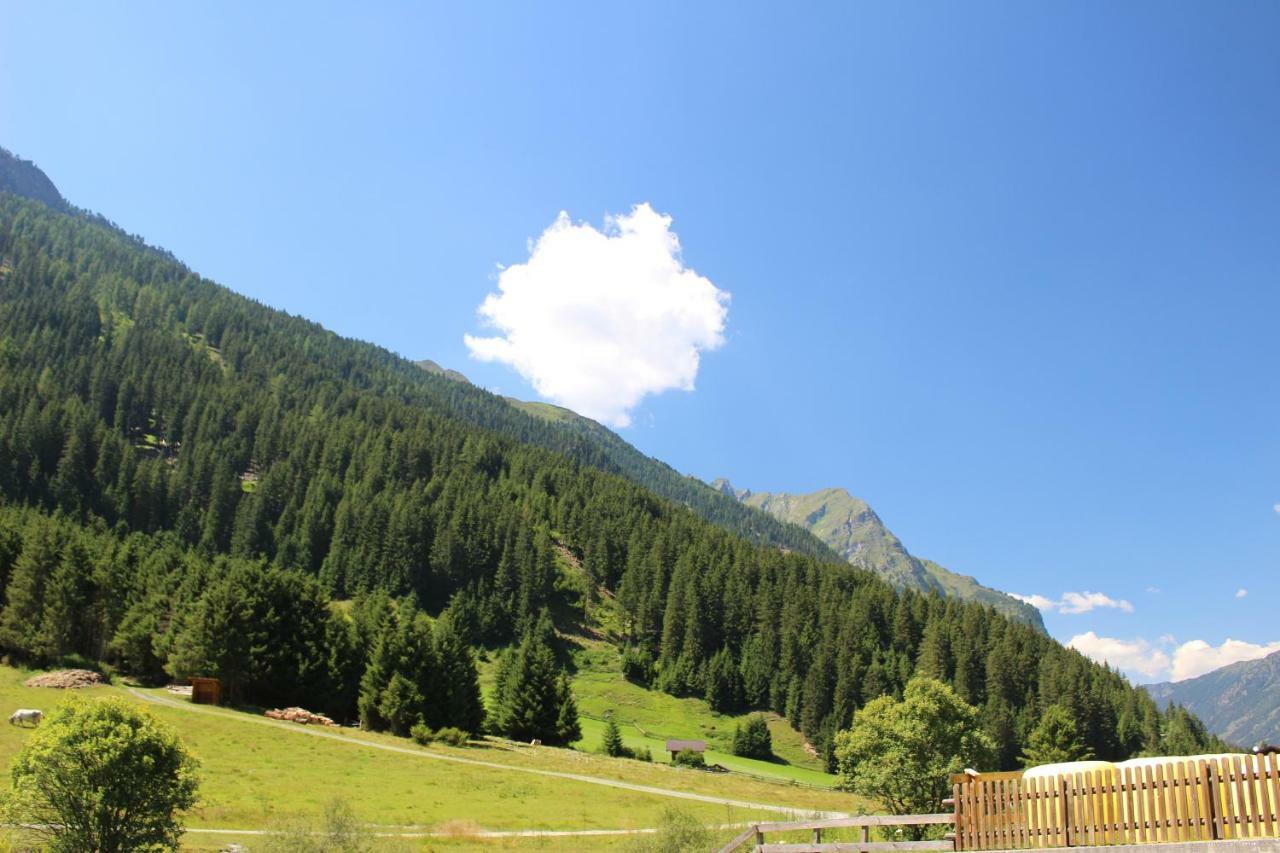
(206, 691)
(674, 746)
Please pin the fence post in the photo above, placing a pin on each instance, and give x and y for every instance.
(957, 794)
(759, 836)
(866, 838)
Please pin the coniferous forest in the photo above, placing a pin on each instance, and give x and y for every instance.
(194, 483)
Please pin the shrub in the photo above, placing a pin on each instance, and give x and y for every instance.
(678, 832)
(103, 775)
(338, 830)
(422, 734)
(637, 666)
(452, 736)
(689, 758)
(642, 754)
(752, 739)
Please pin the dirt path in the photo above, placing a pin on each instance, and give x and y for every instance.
(476, 762)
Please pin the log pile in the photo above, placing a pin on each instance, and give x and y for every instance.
(299, 715)
(67, 679)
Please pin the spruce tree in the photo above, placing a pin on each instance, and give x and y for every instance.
(1054, 739)
(531, 697)
(611, 742)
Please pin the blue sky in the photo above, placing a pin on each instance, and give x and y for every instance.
(1010, 272)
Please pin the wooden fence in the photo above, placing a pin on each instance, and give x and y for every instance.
(1222, 798)
(754, 837)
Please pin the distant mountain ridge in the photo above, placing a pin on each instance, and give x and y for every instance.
(1239, 702)
(854, 531)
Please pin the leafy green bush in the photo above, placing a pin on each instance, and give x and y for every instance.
(422, 733)
(753, 740)
(678, 832)
(102, 775)
(637, 666)
(689, 758)
(642, 754)
(336, 830)
(452, 736)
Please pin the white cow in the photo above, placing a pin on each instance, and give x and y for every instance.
(22, 716)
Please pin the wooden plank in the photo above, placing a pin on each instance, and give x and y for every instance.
(1251, 764)
(855, 847)
(1087, 806)
(1177, 802)
(1007, 814)
(969, 821)
(994, 818)
(934, 819)
(975, 838)
(1129, 805)
(1240, 806)
(1186, 791)
(1128, 820)
(1106, 803)
(1150, 805)
(1162, 803)
(1034, 825)
(1020, 816)
(1215, 800)
(1199, 832)
(956, 791)
(1270, 787)
(739, 840)
(988, 814)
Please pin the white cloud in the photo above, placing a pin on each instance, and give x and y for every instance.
(1164, 660)
(599, 319)
(1197, 657)
(1075, 602)
(1276, 507)
(1241, 592)
(1039, 602)
(1154, 590)
(1134, 656)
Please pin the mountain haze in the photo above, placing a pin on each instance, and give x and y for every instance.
(851, 528)
(1239, 702)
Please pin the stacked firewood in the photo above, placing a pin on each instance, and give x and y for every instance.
(300, 715)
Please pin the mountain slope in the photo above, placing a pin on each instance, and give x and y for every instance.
(168, 446)
(853, 530)
(1239, 702)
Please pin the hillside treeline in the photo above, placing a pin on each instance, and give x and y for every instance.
(137, 399)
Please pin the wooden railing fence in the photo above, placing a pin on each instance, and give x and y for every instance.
(754, 837)
(1204, 800)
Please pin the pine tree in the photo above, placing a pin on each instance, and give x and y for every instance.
(532, 698)
(611, 742)
(1054, 739)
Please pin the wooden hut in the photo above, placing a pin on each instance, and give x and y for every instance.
(206, 691)
(674, 746)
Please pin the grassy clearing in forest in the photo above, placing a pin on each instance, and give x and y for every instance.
(649, 718)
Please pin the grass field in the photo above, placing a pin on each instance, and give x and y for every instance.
(649, 718)
(255, 772)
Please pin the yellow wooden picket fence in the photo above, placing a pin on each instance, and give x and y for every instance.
(1195, 799)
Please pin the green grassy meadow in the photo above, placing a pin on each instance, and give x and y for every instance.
(255, 772)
